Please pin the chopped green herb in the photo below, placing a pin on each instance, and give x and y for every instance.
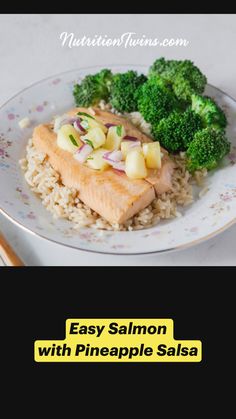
(89, 142)
(119, 130)
(90, 158)
(85, 114)
(84, 124)
(73, 140)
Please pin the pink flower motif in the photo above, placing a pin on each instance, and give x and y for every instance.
(31, 216)
(1, 152)
(11, 116)
(85, 236)
(118, 246)
(232, 156)
(56, 81)
(155, 233)
(226, 197)
(39, 108)
(193, 229)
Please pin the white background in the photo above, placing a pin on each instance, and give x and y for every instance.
(30, 50)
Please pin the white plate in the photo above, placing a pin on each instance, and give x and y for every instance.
(206, 217)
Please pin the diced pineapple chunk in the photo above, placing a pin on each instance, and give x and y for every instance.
(95, 136)
(127, 146)
(96, 161)
(93, 123)
(152, 154)
(114, 137)
(68, 138)
(135, 167)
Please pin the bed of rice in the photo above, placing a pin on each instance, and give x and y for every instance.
(63, 202)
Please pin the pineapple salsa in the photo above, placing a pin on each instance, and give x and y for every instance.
(100, 146)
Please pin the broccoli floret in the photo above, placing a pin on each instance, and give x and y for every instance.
(211, 114)
(176, 132)
(164, 83)
(93, 88)
(184, 76)
(208, 147)
(164, 68)
(124, 90)
(188, 80)
(190, 123)
(167, 84)
(167, 133)
(155, 102)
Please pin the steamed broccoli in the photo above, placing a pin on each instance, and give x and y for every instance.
(190, 123)
(124, 90)
(164, 83)
(176, 132)
(208, 147)
(166, 69)
(93, 88)
(184, 76)
(155, 101)
(209, 111)
(188, 80)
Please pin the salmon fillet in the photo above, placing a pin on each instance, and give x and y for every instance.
(161, 179)
(112, 195)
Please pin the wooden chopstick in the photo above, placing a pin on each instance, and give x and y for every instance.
(8, 254)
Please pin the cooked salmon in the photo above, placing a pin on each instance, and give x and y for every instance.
(161, 179)
(110, 193)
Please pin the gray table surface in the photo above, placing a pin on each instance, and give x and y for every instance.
(30, 49)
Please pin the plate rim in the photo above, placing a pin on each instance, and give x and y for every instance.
(168, 250)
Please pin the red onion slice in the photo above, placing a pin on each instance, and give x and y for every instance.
(113, 156)
(71, 120)
(130, 138)
(114, 159)
(77, 125)
(62, 120)
(110, 125)
(83, 152)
